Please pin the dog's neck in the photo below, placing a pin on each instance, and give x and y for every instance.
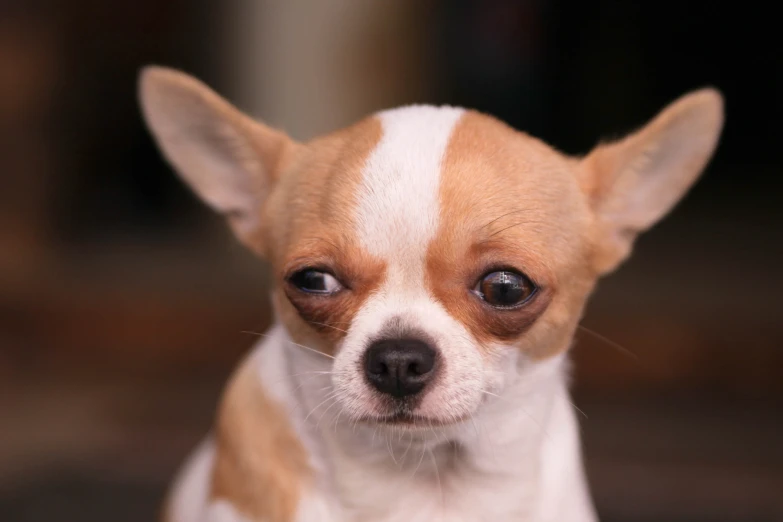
(518, 454)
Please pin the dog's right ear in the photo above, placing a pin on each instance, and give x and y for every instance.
(632, 183)
(230, 161)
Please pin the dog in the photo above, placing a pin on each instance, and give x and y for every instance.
(431, 265)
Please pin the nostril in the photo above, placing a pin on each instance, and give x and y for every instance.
(423, 365)
(376, 367)
(419, 368)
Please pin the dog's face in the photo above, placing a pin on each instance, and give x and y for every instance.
(430, 251)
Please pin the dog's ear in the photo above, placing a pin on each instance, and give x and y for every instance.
(230, 161)
(634, 182)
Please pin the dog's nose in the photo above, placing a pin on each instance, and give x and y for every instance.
(399, 367)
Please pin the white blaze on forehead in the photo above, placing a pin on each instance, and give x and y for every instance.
(397, 217)
(397, 212)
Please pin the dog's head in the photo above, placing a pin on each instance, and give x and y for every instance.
(428, 249)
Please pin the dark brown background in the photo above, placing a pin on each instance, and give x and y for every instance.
(122, 300)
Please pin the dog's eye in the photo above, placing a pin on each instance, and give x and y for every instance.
(315, 282)
(505, 289)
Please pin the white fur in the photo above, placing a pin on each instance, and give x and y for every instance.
(459, 389)
(397, 210)
(515, 455)
(224, 511)
(396, 219)
(519, 456)
(189, 498)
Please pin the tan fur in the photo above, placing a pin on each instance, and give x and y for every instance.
(634, 182)
(312, 214)
(509, 200)
(260, 464)
(218, 150)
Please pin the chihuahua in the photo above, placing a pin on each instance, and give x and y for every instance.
(431, 265)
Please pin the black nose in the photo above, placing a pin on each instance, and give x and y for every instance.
(399, 367)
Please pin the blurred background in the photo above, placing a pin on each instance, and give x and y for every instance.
(123, 300)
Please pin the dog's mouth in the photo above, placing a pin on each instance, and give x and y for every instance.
(408, 414)
(411, 420)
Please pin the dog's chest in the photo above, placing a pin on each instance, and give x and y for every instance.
(458, 494)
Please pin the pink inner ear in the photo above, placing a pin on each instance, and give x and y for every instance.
(634, 182)
(226, 158)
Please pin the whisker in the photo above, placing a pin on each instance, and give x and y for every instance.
(317, 352)
(475, 426)
(328, 398)
(506, 214)
(421, 459)
(391, 449)
(337, 420)
(493, 394)
(580, 410)
(437, 476)
(577, 408)
(515, 225)
(312, 373)
(540, 426)
(291, 342)
(334, 401)
(301, 384)
(410, 443)
(342, 323)
(259, 334)
(329, 326)
(328, 242)
(616, 346)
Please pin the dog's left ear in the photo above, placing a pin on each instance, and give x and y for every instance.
(229, 160)
(634, 182)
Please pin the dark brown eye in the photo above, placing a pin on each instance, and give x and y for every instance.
(315, 282)
(505, 289)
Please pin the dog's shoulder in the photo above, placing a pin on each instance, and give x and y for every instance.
(260, 464)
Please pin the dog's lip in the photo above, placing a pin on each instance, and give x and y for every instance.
(413, 420)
